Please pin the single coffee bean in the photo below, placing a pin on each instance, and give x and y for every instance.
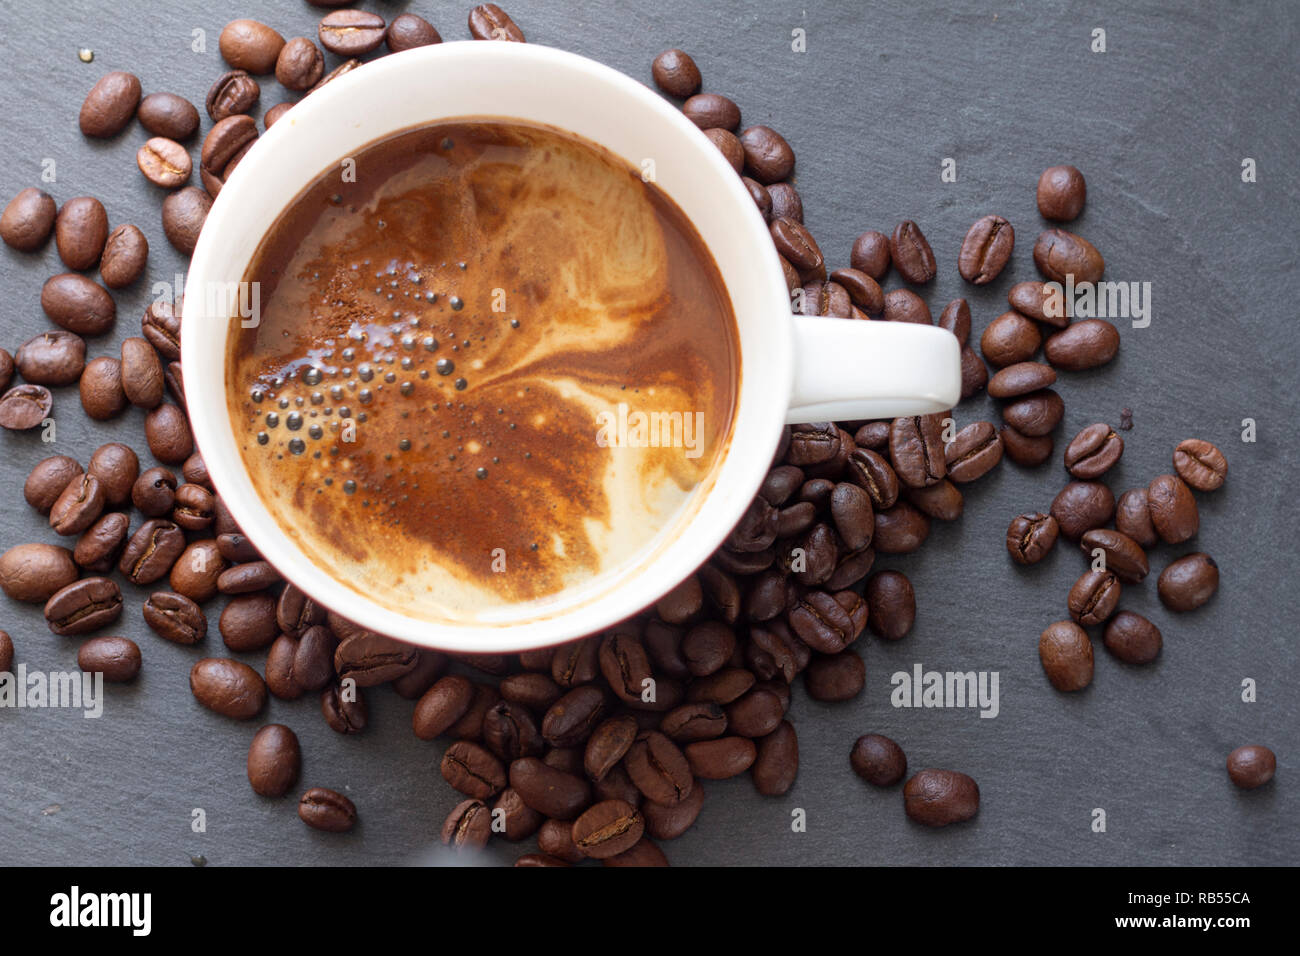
(468, 826)
(237, 549)
(25, 406)
(1082, 506)
(223, 148)
(850, 568)
(796, 244)
(323, 809)
(551, 792)
(250, 45)
(194, 510)
(974, 373)
(116, 466)
(513, 818)
(28, 220)
(776, 764)
(835, 677)
(487, 21)
(973, 452)
(1040, 302)
(682, 603)
(607, 829)
(295, 612)
(1132, 638)
(863, 290)
(1123, 555)
(125, 255)
(1200, 464)
(676, 74)
(721, 688)
(36, 572)
(1066, 655)
(161, 327)
(878, 760)
(173, 379)
(768, 157)
(151, 551)
(1025, 450)
(442, 705)
(117, 658)
(372, 659)
(195, 471)
(510, 732)
(658, 768)
(1094, 597)
(1035, 414)
(154, 492)
(892, 604)
(407, 31)
(183, 215)
(351, 32)
(571, 719)
(109, 105)
(342, 69)
(1058, 253)
(916, 450)
(228, 687)
(911, 253)
(762, 198)
(1020, 379)
(300, 64)
(941, 501)
(904, 305)
(873, 474)
(986, 250)
(472, 770)
(555, 839)
(245, 578)
(712, 111)
(1172, 508)
(52, 358)
(1030, 537)
(707, 648)
(168, 115)
(78, 506)
(47, 480)
(275, 113)
(1094, 451)
(167, 163)
(1133, 518)
(344, 709)
(608, 744)
(83, 606)
(175, 618)
(142, 373)
(756, 714)
(901, 529)
(1009, 339)
(274, 761)
(80, 232)
(195, 574)
(100, 545)
(870, 254)
(1189, 582)
(1084, 345)
(956, 319)
(729, 146)
(313, 657)
(537, 692)
(722, 758)
(77, 304)
(691, 722)
(1251, 766)
(1061, 193)
(813, 443)
(168, 434)
(786, 201)
(937, 798)
(668, 823)
(853, 516)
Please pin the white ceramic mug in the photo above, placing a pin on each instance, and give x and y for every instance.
(793, 369)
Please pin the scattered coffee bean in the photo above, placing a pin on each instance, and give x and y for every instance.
(1094, 451)
(937, 798)
(834, 677)
(551, 792)
(77, 304)
(916, 450)
(1020, 379)
(1066, 654)
(1251, 766)
(117, 658)
(224, 146)
(78, 506)
(80, 232)
(228, 687)
(1030, 537)
(52, 358)
(100, 545)
(986, 250)
(195, 574)
(116, 466)
(274, 761)
(109, 105)
(870, 254)
(1026, 450)
(1189, 582)
(83, 606)
(973, 452)
(142, 373)
(324, 809)
(1081, 506)
(344, 709)
(165, 162)
(904, 305)
(1200, 464)
(169, 116)
(351, 32)
(1010, 339)
(1172, 508)
(1094, 597)
(1084, 345)
(1133, 518)
(1132, 638)
(125, 255)
(249, 45)
(956, 319)
(175, 618)
(878, 760)
(1035, 414)
(299, 66)
(901, 529)
(28, 220)
(1061, 193)
(712, 111)
(183, 214)
(911, 253)
(1039, 302)
(676, 74)
(892, 604)
(168, 434)
(786, 202)
(408, 31)
(25, 406)
(729, 146)
(1122, 554)
(371, 659)
(36, 572)
(487, 21)
(154, 492)
(151, 551)
(768, 157)
(1059, 253)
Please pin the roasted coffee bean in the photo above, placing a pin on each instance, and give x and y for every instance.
(607, 829)
(407, 31)
(237, 549)
(372, 659)
(817, 491)
(1132, 638)
(1251, 766)
(956, 319)
(168, 434)
(690, 722)
(722, 758)
(873, 474)
(786, 653)
(228, 687)
(676, 74)
(1040, 302)
(708, 647)
(1133, 518)
(555, 840)
(344, 708)
(183, 215)
(274, 761)
(852, 512)
(797, 245)
(247, 578)
(517, 821)
(762, 198)
(1123, 555)
(941, 501)
(813, 443)
(25, 406)
(487, 21)
(125, 255)
(1061, 193)
(196, 572)
(1025, 450)
(35, 572)
(101, 544)
(777, 762)
(729, 146)
(1200, 464)
(878, 760)
(342, 69)
(468, 826)
(1030, 537)
(142, 373)
(295, 612)
(551, 792)
(576, 663)
(820, 552)
(721, 688)
(1094, 597)
(1094, 451)
(6, 652)
(1066, 655)
(1084, 345)
(313, 657)
(28, 220)
(607, 745)
(510, 732)
(871, 254)
(835, 677)
(161, 327)
(668, 823)
(821, 622)
(116, 466)
(223, 148)
(173, 378)
(47, 480)
(644, 853)
(351, 32)
(83, 606)
(568, 759)
(768, 157)
(756, 530)
(756, 714)
(250, 45)
(168, 115)
(1021, 379)
(275, 113)
(904, 305)
(1059, 253)
(78, 506)
(52, 358)
(472, 770)
(911, 253)
(117, 658)
(827, 299)
(937, 798)
(80, 232)
(324, 809)
(195, 472)
(900, 529)
(1009, 339)
(986, 250)
(747, 562)
(154, 492)
(916, 450)
(109, 105)
(796, 519)
(786, 201)
(224, 523)
(300, 64)
(1172, 508)
(175, 617)
(712, 111)
(280, 679)
(537, 692)
(167, 163)
(571, 719)
(442, 706)
(974, 373)
(850, 568)
(863, 290)
(151, 552)
(194, 510)
(973, 452)
(75, 303)
(1035, 414)
(892, 604)
(1189, 582)
(658, 768)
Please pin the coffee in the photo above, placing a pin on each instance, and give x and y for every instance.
(441, 343)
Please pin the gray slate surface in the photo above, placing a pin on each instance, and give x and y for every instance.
(1159, 124)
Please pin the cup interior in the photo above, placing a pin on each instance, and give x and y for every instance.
(476, 80)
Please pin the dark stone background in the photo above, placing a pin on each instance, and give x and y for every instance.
(1159, 124)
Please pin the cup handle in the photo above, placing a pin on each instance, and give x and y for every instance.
(846, 370)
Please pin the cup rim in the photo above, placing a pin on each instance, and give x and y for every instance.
(718, 508)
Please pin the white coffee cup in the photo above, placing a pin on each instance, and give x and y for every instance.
(793, 369)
